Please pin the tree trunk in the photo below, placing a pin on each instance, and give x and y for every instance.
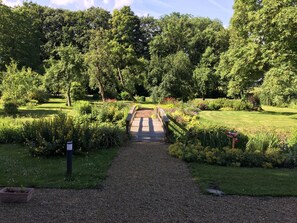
(101, 90)
(120, 77)
(68, 96)
(123, 85)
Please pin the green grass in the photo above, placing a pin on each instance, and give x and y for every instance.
(49, 109)
(246, 181)
(279, 120)
(18, 168)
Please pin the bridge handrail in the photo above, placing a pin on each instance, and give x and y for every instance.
(164, 119)
(130, 118)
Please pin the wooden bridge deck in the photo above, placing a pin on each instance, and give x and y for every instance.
(145, 128)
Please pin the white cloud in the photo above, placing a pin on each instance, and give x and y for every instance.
(106, 1)
(120, 3)
(63, 2)
(12, 3)
(84, 3)
(89, 3)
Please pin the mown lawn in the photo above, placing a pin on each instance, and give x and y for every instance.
(271, 119)
(29, 113)
(246, 181)
(18, 168)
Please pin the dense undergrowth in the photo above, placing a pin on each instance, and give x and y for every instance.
(92, 127)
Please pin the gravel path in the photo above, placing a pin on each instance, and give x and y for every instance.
(146, 185)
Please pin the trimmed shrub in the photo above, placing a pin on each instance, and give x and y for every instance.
(41, 96)
(10, 108)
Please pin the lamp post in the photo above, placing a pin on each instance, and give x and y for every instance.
(69, 158)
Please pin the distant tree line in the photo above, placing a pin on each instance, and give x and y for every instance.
(180, 56)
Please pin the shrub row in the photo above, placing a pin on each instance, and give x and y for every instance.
(217, 104)
(48, 137)
(213, 136)
(233, 157)
(212, 145)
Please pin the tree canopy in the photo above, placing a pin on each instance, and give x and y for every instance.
(177, 55)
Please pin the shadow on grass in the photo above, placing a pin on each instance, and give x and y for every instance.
(279, 113)
(37, 113)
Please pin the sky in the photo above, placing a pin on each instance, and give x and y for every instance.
(214, 9)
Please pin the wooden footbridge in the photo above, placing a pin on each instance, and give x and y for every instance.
(147, 125)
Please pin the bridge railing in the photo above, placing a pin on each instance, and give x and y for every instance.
(165, 121)
(130, 118)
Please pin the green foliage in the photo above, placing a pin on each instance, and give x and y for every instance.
(217, 104)
(187, 153)
(115, 113)
(77, 92)
(279, 86)
(262, 51)
(214, 137)
(62, 72)
(10, 134)
(230, 157)
(262, 142)
(99, 63)
(83, 108)
(17, 85)
(49, 137)
(141, 99)
(20, 38)
(177, 79)
(40, 95)
(10, 107)
(124, 96)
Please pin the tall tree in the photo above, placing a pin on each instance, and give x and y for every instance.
(126, 48)
(19, 39)
(99, 62)
(176, 81)
(262, 41)
(64, 71)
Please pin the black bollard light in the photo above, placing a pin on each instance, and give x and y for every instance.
(69, 159)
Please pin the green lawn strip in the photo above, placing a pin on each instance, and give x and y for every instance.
(18, 168)
(277, 120)
(246, 181)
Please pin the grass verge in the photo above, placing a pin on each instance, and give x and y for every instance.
(246, 181)
(18, 168)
